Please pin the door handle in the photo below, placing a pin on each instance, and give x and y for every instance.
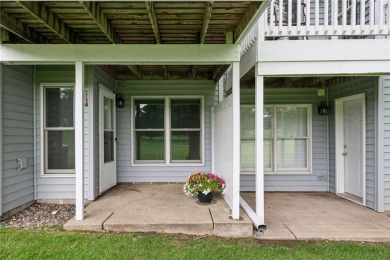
(344, 154)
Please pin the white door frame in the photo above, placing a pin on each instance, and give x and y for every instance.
(104, 92)
(339, 149)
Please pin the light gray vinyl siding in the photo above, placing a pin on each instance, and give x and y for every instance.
(367, 85)
(18, 137)
(386, 141)
(317, 181)
(49, 187)
(128, 173)
(99, 78)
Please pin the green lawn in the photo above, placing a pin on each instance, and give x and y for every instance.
(24, 244)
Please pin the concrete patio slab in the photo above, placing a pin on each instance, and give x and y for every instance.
(320, 216)
(163, 208)
(93, 222)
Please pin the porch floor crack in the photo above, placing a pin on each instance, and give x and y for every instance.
(289, 230)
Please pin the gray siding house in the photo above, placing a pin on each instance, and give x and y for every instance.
(299, 118)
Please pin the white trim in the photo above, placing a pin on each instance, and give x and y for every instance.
(236, 163)
(43, 144)
(91, 132)
(1, 137)
(79, 139)
(105, 93)
(380, 205)
(212, 139)
(339, 143)
(168, 54)
(167, 133)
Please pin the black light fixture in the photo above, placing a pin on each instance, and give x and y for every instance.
(120, 102)
(323, 109)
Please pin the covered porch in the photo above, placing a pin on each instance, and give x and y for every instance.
(163, 208)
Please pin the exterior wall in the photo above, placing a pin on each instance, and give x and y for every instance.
(18, 136)
(128, 173)
(367, 85)
(57, 187)
(317, 181)
(386, 141)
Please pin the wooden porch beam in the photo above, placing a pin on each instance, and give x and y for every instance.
(219, 71)
(156, 31)
(51, 21)
(135, 70)
(205, 25)
(153, 20)
(251, 11)
(109, 70)
(101, 20)
(16, 27)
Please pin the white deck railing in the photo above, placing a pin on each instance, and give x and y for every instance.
(327, 18)
(250, 39)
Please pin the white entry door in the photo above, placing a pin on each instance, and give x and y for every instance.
(107, 140)
(353, 148)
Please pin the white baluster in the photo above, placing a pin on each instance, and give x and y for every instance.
(353, 16)
(326, 15)
(299, 16)
(308, 13)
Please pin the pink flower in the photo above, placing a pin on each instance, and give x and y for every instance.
(222, 182)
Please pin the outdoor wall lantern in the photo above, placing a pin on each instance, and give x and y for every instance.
(323, 109)
(120, 102)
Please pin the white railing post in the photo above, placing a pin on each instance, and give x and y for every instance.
(317, 14)
(335, 13)
(280, 22)
(272, 16)
(344, 16)
(289, 15)
(372, 19)
(326, 16)
(308, 13)
(353, 15)
(299, 16)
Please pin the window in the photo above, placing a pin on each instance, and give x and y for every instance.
(287, 138)
(167, 130)
(58, 129)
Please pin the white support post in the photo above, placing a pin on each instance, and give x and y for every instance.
(1, 139)
(221, 89)
(259, 101)
(236, 140)
(79, 139)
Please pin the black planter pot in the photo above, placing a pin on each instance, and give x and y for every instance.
(205, 198)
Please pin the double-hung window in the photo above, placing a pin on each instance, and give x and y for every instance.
(287, 138)
(58, 129)
(167, 130)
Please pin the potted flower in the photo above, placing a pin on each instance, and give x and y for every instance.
(203, 184)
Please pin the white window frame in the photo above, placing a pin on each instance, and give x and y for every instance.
(167, 133)
(45, 172)
(274, 169)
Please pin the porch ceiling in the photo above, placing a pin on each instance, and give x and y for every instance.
(129, 22)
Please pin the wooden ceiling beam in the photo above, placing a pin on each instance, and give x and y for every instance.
(51, 21)
(219, 71)
(205, 25)
(135, 70)
(101, 20)
(251, 11)
(16, 27)
(153, 21)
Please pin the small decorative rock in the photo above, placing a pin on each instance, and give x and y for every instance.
(40, 215)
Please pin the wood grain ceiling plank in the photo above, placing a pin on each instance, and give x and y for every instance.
(50, 19)
(18, 28)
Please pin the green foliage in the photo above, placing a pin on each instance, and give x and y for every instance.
(39, 244)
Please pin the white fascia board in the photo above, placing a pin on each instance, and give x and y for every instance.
(324, 50)
(139, 54)
(320, 68)
(248, 60)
